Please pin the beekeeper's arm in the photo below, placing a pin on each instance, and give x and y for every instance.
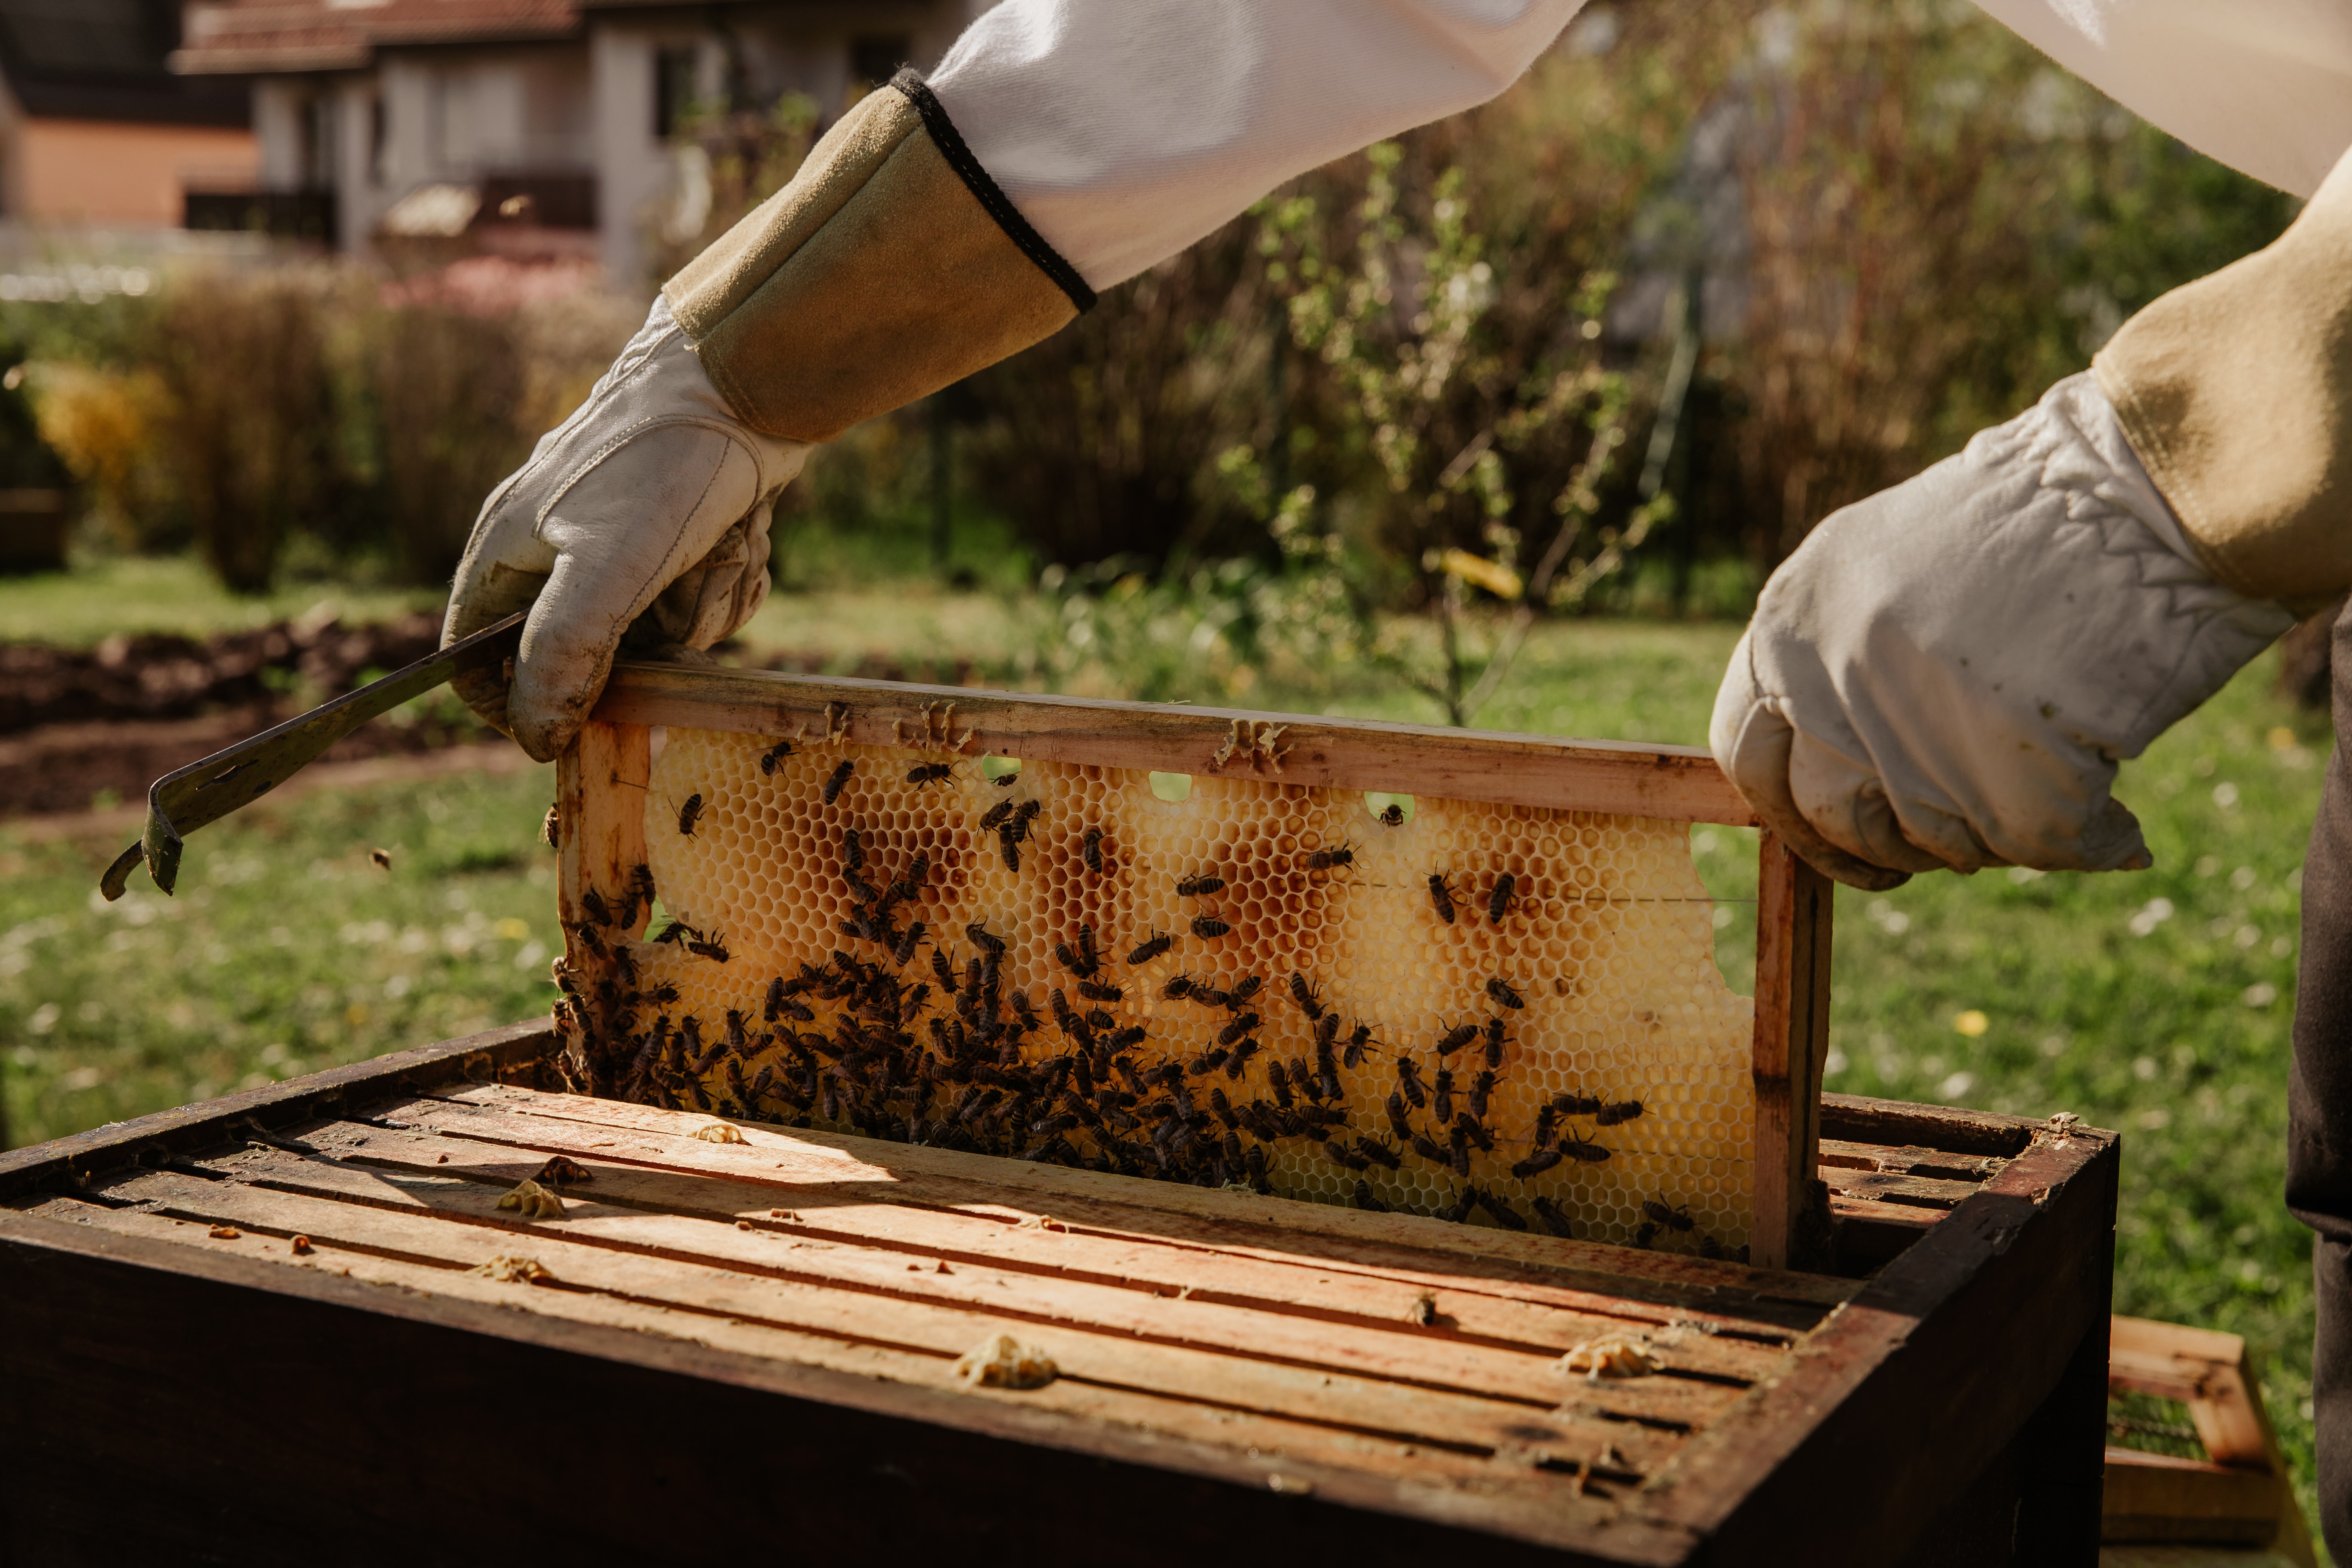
(1946, 674)
(1062, 145)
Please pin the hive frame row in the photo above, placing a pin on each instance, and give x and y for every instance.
(602, 777)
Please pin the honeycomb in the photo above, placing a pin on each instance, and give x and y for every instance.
(1596, 987)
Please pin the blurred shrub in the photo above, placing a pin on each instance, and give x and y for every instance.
(240, 410)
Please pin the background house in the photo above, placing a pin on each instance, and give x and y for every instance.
(522, 126)
(95, 129)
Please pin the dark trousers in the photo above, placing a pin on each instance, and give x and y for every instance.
(2319, 1110)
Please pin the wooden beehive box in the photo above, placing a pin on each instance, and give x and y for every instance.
(297, 1321)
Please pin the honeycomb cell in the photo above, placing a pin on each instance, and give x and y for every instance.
(1555, 966)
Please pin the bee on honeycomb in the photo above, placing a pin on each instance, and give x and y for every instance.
(1596, 1060)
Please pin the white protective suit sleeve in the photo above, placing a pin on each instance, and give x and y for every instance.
(1124, 132)
(2264, 86)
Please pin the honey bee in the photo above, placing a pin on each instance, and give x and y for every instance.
(1090, 849)
(1207, 927)
(1068, 957)
(1088, 948)
(1441, 1093)
(1500, 990)
(1006, 781)
(983, 939)
(1008, 846)
(1244, 989)
(1357, 1042)
(1392, 815)
(1348, 1157)
(710, 947)
(1441, 896)
(1459, 1209)
(1364, 1199)
(838, 778)
(1553, 1219)
(853, 852)
(1095, 991)
(1611, 1115)
(776, 1000)
(1159, 941)
(674, 931)
(666, 993)
(1130, 1035)
(690, 813)
(1501, 1212)
(1435, 1153)
(1454, 1038)
(1498, 902)
(1458, 1151)
(550, 827)
(1222, 1108)
(1480, 1087)
(1237, 1028)
(1327, 1032)
(1577, 1148)
(1378, 1152)
(1022, 815)
(924, 774)
(1179, 986)
(1409, 1080)
(1710, 1247)
(641, 885)
(1397, 1117)
(1240, 1059)
(1303, 994)
(994, 817)
(908, 940)
(1575, 1104)
(1667, 1215)
(1325, 860)
(910, 885)
(592, 903)
(1278, 1081)
(773, 755)
(1536, 1163)
(1645, 1234)
(1200, 886)
(1496, 1041)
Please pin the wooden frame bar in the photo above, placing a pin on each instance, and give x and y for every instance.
(604, 834)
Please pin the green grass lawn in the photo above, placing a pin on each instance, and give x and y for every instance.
(134, 594)
(2157, 1002)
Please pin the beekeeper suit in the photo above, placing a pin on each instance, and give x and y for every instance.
(1944, 675)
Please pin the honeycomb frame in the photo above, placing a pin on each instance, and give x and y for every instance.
(1599, 940)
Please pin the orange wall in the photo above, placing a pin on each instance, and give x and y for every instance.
(92, 170)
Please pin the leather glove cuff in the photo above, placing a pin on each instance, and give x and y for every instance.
(2236, 392)
(890, 267)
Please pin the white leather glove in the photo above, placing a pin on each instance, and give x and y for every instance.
(1946, 674)
(652, 500)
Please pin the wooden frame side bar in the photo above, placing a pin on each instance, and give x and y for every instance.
(599, 799)
(1680, 783)
(1793, 907)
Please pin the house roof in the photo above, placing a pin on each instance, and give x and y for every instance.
(105, 59)
(256, 36)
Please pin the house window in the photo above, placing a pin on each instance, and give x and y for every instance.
(875, 59)
(674, 94)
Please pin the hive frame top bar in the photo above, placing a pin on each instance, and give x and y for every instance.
(1678, 783)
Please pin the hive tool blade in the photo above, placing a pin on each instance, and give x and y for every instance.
(203, 792)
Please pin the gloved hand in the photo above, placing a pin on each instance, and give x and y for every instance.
(652, 501)
(889, 266)
(1947, 673)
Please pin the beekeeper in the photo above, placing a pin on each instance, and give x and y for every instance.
(1944, 675)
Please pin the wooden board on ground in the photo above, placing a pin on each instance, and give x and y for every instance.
(298, 1323)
